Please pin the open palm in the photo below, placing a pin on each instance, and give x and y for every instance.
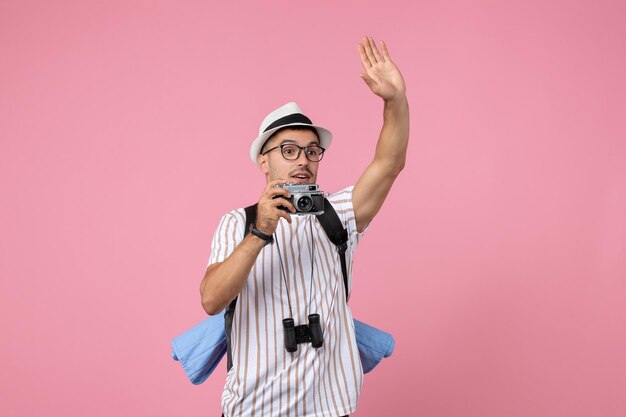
(381, 74)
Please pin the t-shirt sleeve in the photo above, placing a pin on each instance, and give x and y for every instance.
(342, 203)
(228, 235)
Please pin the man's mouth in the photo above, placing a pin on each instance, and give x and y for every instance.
(301, 176)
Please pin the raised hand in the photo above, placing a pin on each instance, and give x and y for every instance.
(381, 74)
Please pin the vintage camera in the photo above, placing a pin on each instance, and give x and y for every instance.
(304, 333)
(306, 198)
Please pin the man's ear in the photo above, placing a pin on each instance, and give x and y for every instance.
(263, 164)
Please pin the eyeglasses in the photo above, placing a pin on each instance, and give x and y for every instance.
(291, 152)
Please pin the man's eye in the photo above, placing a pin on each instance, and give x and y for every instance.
(288, 150)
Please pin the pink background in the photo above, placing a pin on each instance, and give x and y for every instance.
(125, 128)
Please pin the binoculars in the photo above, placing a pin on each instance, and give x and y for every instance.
(303, 333)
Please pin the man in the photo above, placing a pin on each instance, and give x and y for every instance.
(287, 268)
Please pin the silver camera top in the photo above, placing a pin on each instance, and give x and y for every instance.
(294, 187)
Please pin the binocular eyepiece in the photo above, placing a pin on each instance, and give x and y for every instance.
(303, 334)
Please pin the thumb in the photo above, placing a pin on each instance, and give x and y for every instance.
(368, 80)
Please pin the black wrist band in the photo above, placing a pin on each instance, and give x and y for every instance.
(267, 238)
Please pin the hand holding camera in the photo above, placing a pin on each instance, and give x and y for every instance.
(280, 199)
(271, 207)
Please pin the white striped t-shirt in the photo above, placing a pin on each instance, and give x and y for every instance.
(265, 379)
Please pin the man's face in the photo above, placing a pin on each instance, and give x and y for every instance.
(275, 166)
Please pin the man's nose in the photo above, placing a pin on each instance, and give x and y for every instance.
(302, 160)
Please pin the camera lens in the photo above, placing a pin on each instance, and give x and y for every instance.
(305, 203)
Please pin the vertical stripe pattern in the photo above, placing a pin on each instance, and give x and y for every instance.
(265, 379)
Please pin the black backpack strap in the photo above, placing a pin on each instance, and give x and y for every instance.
(250, 218)
(230, 310)
(338, 235)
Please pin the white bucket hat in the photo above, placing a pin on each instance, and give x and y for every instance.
(287, 115)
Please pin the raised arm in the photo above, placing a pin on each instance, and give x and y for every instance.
(385, 80)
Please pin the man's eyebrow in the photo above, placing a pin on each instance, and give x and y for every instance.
(286, 141)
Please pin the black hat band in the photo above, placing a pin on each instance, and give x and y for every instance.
(289, 119)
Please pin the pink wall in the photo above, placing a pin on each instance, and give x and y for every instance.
(125, 127)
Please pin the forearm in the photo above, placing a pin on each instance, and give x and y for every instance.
(223, 281)
(391, 149)
(389, 159)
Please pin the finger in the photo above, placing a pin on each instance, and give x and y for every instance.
(285, 216)
(369, 81)
(274, 184)
(374, 49)
(383, 48)
(281, 202)
(276, 192)
(364, 60)
(268, 207)
(368, 51)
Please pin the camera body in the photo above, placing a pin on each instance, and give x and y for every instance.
(306, 198)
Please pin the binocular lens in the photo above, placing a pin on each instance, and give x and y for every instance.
(303, 333)
(317, 340)
(290, 335)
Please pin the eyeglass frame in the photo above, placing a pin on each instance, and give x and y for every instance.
(300, 149)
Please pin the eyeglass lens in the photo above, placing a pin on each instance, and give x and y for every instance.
(291, 152)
